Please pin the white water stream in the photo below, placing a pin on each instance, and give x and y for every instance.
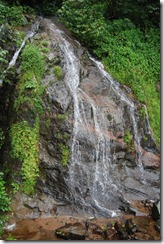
(29, 35)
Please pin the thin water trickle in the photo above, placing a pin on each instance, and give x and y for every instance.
(148, 130)
(29, 35)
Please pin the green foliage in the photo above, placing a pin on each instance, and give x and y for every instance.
(3, 60)
(10, 238)
(5, 202)
(45, 49)
(15, 187)
(12, 14)
(58, 72)
(44, 43)
(48, 7)
(24, 141)
(48, 123)
(29, 86)
(84, 18)
(65, 154)
(3, 220)
(127, 137)
(3, 54)
(61, 116)
(142, 112)
(4, 199)
(2, 137)
(29, 10)
(32, 60)
(141, 12)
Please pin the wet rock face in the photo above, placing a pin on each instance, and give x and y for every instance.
(99, 128)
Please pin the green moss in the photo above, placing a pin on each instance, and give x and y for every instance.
(44, 43)
(142, 112)
(127, 137)
(25, 148)
(48, 123)
(45, 49)
(65, 154)
(58, 135)
(58, 72)
(61, 116)
(64, 136)
(145, 138)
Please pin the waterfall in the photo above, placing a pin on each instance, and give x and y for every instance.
(99, 181)
(131, 105)
(95, 179)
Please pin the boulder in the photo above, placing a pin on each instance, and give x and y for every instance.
(130, 226)
(150, 160)
(121, 230)
(71, 232)
(155, 211)
(157, 225)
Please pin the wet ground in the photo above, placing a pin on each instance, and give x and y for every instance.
(123, 227)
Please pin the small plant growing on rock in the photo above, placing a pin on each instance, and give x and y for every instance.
(10, 238)
(127, 137)
(143, 112)
(4, 199)
(65, 153)
(61, 116)
(58, 72)
(44, 43)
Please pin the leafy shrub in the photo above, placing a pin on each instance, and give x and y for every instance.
(24, 141)
(12, 14)
(4, 199)
(5, 202)
(32, 60)
(29, 86)
(3, 54)
(84, 18)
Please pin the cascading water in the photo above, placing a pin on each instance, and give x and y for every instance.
(131, 105)
(29, 35)
(95, 179)
(96, 185)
